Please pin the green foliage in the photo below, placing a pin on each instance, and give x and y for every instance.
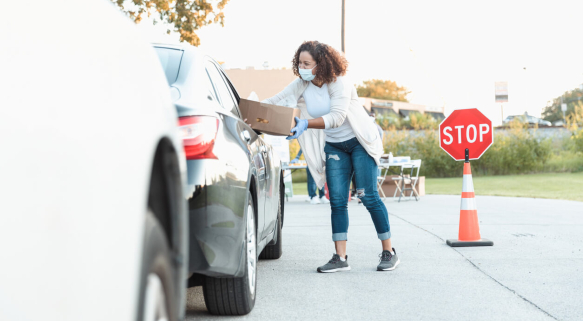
(575, 124)
(185, 16)
(435, 162)
(515, 151)
(382, 89)
(416, 120)
(571, 98)
(578, 139)
(421, 121)
(389, 121)
(564, 161)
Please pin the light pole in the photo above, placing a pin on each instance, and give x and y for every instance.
(563, 109)
(525, 92)
(342, 27)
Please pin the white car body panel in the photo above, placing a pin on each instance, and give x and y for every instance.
(83, 105)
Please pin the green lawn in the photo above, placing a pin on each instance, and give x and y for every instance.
(300, 188)
(568, 186)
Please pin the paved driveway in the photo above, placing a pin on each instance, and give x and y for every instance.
(534, 271)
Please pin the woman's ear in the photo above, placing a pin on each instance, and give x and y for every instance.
(314, 70)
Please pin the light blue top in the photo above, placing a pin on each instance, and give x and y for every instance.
(318, 104)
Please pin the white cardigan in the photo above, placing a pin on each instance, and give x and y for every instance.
(344, 104)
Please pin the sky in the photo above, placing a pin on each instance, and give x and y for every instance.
(447, 53)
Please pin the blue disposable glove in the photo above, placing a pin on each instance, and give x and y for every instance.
(301, 126)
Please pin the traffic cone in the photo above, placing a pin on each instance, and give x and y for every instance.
(469, 228)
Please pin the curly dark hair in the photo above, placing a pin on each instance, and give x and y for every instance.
(331, 63)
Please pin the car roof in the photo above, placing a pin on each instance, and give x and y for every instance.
(182, 46)
(167, 45)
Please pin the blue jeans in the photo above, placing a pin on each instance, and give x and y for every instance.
(312, 187)
(342, 160)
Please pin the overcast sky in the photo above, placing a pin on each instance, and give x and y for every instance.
(448, 53)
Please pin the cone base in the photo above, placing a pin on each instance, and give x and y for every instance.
(480, 242)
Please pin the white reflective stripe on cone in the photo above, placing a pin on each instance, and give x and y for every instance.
(468, 204)
(468, 185)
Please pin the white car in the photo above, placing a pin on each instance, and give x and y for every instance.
(93, 215)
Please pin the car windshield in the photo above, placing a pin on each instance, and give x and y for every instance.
(170, 60)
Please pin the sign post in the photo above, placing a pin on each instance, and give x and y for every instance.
(501, 93)
(465, 135)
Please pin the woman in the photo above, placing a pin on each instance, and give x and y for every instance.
(352, 145)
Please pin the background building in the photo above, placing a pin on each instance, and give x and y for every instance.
(403, 109)
(265, 83)
(268, 82)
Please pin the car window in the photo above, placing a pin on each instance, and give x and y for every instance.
(231, 90)
(170, 60)
(221, 88)
(211, 87)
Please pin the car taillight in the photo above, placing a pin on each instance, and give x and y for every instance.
(198, 135)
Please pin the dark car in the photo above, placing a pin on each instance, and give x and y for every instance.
(235, 182)
(531, 120)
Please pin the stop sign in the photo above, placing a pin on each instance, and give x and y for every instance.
(465, 128)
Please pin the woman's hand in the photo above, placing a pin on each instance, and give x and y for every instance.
(301, 126)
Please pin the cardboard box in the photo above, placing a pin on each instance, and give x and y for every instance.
(269, 119)
(389, 187)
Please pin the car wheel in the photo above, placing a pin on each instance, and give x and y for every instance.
(274, 251)
(236, 296)
(282, 199)
(156, 287)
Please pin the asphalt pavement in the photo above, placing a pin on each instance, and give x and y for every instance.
(534, 271)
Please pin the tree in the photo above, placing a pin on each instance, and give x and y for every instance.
(382, 89)
(185, 16)
(553, 112)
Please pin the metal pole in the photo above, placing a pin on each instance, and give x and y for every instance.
(525, 92)
(342, 28)
(502, 113)
(564, 119)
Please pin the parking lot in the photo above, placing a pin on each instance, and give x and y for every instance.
(533, 271)
(147, 150)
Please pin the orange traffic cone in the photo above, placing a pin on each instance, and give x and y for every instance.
(469, 233)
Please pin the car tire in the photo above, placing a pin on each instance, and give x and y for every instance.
(274, 251)
(282, 199)
(156, 285)
(236, 296)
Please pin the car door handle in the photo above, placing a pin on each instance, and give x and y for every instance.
(246, 135)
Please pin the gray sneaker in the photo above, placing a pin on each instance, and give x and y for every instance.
(388, 261)
(335, 265)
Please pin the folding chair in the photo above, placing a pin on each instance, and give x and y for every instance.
(399, 161)
(385, 162)
(398, 181)
(381, 180)
(415, 166)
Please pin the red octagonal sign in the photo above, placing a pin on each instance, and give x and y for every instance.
(466, 128)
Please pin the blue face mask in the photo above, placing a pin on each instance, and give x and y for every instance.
(306, 74)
